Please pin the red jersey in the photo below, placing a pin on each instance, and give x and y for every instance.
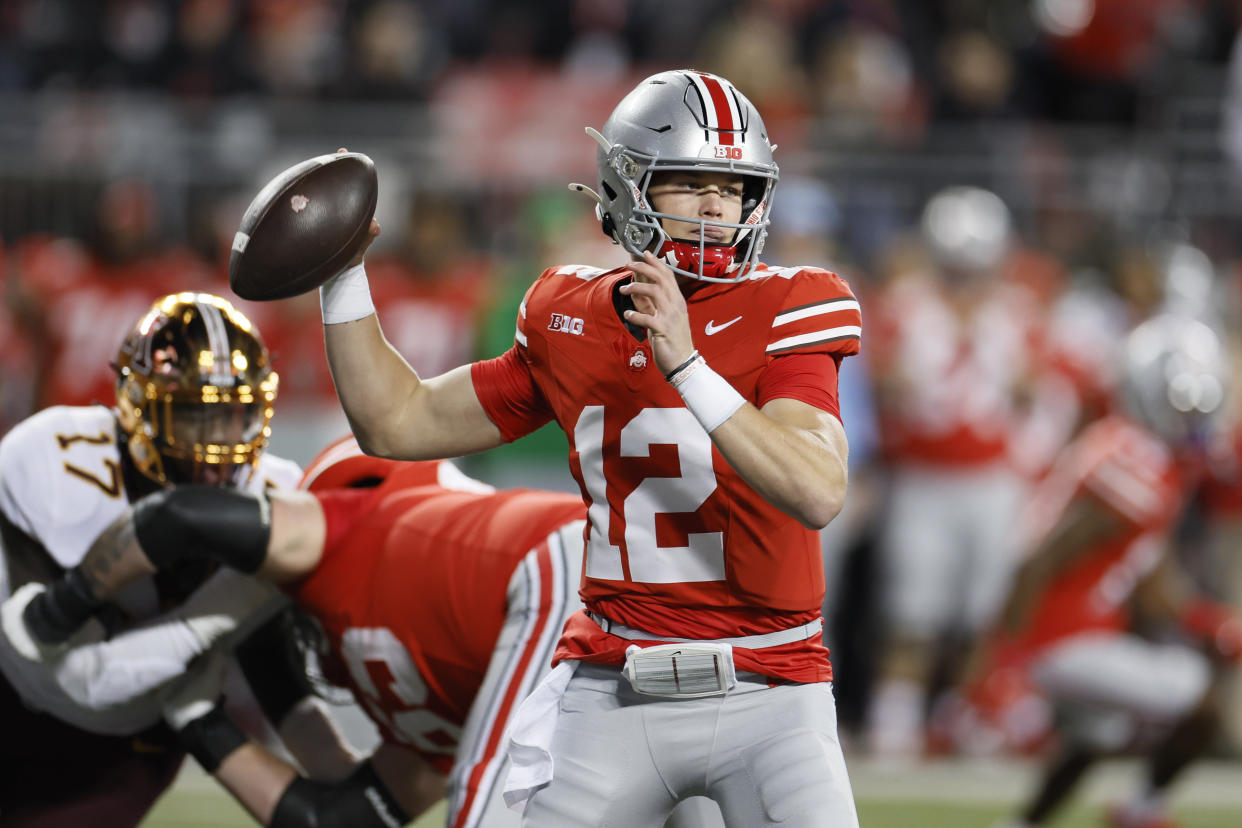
(954, 379)
(88, 307)
(1135, 475)
(677, 543)
(411, 591)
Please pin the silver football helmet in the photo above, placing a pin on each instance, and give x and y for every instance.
(684, 120)
(1174, 378)
(967, 228)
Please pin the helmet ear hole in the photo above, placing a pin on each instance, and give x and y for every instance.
(606, 224)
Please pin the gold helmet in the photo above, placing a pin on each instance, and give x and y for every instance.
(194, 390)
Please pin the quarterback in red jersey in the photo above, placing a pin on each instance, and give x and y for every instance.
(697, 388)
(1099, 527)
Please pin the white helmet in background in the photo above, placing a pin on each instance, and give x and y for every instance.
(684, 120)
(1174, 378)
(1189, 279)
(967, 228)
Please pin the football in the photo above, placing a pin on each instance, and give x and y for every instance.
(304, 226)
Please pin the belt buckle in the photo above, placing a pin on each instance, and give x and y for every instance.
(685, 670)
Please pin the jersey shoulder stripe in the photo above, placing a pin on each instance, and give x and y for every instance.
(818, 313)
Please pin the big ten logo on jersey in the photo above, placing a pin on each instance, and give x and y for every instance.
(565, 324)
(727, 152)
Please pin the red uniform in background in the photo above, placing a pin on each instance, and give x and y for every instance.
(87, 305)
(1133, 474)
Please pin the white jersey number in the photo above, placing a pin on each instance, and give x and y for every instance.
(374, 654)
(702, 559)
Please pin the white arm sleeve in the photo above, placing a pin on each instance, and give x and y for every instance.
(221, 612)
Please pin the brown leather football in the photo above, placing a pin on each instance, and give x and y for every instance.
(304, 226)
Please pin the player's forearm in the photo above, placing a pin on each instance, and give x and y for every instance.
(802, 472)
(373, 382)
(174, 525)
(256, 779)
(392, 412)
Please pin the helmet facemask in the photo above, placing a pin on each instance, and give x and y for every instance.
(195, 392)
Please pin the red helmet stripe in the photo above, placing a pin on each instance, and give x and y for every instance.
(720, 103)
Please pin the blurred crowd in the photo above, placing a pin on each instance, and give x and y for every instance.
(995, 293)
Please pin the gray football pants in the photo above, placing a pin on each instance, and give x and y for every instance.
(769, 756)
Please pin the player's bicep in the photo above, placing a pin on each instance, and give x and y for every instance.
(819, 427)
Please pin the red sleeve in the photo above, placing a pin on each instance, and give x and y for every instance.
(818, 314)
(809, 378)
(509, 394)
(1135, 477)
(342, 509)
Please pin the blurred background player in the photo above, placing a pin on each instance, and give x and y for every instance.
(952, 366)
(1111, 629)
(193, 404)
(441, 600)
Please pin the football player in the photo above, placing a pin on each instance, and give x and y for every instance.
(697, 388)
(953, 358)
(441, 601)
(84, 740)
(1101, 527)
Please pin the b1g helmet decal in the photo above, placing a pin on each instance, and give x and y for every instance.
(684, 120)
(194, 391)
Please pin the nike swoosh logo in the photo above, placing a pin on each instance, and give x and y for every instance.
(713, 328)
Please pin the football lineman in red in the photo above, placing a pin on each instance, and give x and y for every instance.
(697, 387)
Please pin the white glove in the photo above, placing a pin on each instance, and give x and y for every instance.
(197, 693)
(13, 621)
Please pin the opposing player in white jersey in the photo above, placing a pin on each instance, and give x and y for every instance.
(83, 740)
(697, 387)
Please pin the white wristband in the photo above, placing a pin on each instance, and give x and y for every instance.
(709, 396)
(346, 297)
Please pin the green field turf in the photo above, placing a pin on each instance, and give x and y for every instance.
(945, 795)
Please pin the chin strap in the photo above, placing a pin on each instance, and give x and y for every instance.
(716, 259)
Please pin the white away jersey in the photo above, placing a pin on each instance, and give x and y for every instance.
(60, 478)
(61, 484)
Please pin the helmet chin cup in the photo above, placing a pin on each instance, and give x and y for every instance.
(704, 260)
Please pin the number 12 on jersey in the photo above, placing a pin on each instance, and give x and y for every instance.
(702, 559)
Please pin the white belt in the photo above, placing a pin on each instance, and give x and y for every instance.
(747, 642)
